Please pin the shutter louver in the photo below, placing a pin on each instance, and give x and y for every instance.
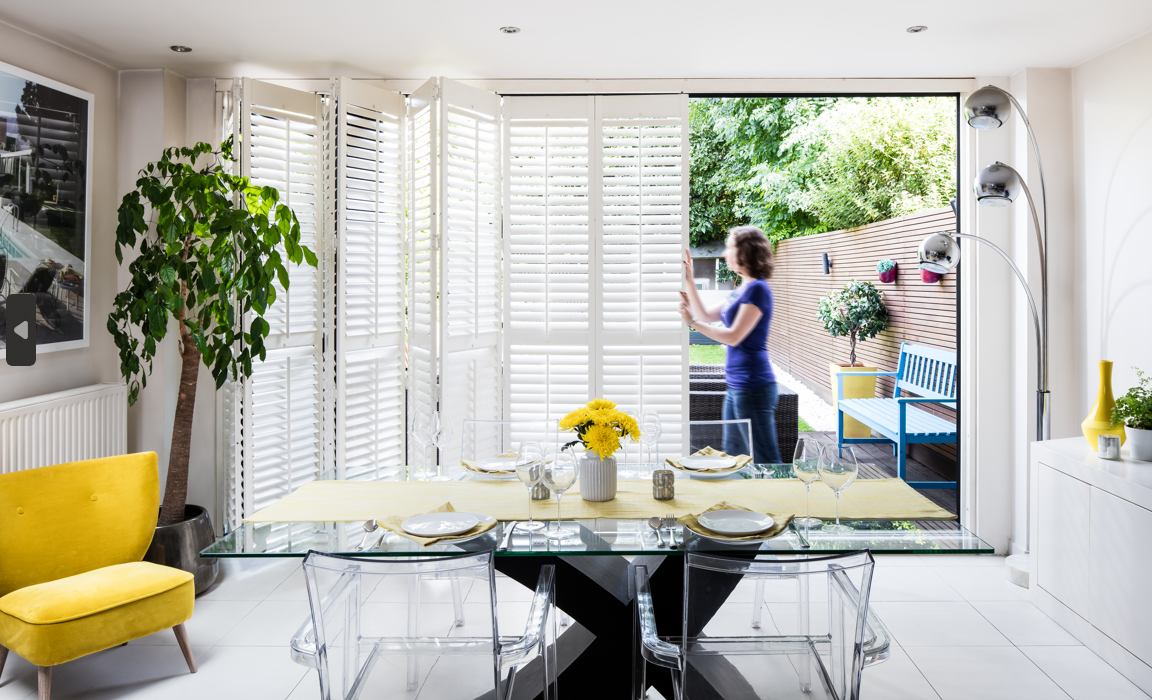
(421, 175)
(548, 255)
(282, 413)
(368, 126)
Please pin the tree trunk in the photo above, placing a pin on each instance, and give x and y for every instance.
(852, 348)
(176, 486)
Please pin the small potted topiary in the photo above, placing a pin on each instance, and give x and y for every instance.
(887, 270)
(1134, 410)
(857, 311)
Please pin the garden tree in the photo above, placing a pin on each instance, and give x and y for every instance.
(856, 311)
(795, 166)
(214, 252)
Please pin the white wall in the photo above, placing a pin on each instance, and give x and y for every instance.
(1112, 137)
(69, 369)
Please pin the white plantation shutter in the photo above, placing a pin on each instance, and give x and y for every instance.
(366, 159)
(423, 282)
(548, 255)
(643, 227)
(281, 416)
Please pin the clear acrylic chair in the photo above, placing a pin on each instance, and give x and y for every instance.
(367, 615)
(820, 637)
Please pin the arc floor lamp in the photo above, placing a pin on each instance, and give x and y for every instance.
(999, 185)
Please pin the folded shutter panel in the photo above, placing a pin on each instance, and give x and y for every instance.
(548, 256)
(369, 240)
(643, 229)
(421, 175)
(282, 412)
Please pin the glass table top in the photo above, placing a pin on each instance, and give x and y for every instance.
(600, 536)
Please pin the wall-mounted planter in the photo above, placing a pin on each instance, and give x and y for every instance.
(888, 277)
(929, 277)
(887, 270)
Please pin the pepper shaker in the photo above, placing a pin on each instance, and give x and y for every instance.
(663, 485)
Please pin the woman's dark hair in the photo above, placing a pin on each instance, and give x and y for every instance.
(753, 251)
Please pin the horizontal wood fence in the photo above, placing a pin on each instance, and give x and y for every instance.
(920, 313)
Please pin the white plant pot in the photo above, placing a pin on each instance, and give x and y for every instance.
(597, 478)
(1139, 443)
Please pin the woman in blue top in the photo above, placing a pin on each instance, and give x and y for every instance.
(747, 316)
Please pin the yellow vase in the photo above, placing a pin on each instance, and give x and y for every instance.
(1099, 421)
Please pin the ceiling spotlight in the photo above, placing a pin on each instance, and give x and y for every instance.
(917, 29)
(510, 30)
(181, 49)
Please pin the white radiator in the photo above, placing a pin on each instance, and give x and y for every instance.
(67, 426)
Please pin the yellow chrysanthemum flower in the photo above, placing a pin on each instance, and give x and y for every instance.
(630, 426)
(578, 417)
(604, 416)
(597, 404)
(602, 440)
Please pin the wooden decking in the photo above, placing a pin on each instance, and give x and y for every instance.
(878, 462)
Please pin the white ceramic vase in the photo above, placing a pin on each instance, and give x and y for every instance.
(597, 478)
(1139, 443)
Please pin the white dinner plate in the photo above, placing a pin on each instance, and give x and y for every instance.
(736, 522)
(497, 464)
(439, 524)
(734, 474)
(707, 462)
(481, 519)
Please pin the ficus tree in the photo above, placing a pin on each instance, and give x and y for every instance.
(212, 252)
(856, 311)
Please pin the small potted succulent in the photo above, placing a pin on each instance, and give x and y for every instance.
(1134, 410)
(887, 270)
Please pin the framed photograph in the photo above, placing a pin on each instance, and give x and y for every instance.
(45, 201)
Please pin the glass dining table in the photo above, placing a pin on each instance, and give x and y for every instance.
(595, 564)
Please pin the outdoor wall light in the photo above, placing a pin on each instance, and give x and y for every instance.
(827, 264)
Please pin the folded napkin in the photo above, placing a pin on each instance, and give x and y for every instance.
(741, 462)
(471, 466)
(692, 522)
(392, 522)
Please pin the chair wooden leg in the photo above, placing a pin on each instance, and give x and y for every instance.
(3, 658)
(44, 682)
(182, 640)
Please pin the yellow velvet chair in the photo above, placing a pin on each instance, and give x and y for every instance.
(72, 581)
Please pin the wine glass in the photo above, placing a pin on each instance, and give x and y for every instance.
(441, 436)
(837, 472)
(420, 429)
(650, 430)
(806, 465)
(560, 473)
(530, 470)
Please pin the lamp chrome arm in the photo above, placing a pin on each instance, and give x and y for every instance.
(1043, 420)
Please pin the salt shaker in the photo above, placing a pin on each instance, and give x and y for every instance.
(1108, 446)
(663, 487)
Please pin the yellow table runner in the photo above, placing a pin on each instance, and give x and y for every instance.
(865, 499)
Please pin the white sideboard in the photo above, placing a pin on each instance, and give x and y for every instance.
(1092, 551)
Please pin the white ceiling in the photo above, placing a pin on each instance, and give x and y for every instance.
(585, 39)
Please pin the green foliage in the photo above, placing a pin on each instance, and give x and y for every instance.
(885, 265)
(205, 261)
(857, 311)
(1134, 409)
(725, 273)
(796, 166)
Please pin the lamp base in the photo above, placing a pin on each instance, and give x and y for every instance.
(1018, 569)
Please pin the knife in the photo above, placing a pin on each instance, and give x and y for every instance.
(509, 529)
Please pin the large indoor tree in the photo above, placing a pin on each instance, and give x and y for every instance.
(212, 253)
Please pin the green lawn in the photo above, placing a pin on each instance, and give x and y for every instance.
(715, 355)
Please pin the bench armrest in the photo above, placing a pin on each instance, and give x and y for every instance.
(840, 380)
(921, 400)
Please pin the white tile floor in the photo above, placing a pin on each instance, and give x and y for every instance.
(961, 632)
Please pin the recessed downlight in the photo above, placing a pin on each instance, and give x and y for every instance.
(510, 30)
(181, 49)
(916, 29)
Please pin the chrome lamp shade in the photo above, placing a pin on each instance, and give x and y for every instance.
(997, 185)
(987, 108)
(939, 253)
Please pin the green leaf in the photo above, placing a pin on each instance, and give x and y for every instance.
(168, 275)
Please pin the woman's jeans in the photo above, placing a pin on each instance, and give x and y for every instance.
(759, 405)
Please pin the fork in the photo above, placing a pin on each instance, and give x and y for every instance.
(670, 523)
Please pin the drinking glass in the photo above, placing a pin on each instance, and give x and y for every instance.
(838, 472)
(441, 436)
(530, 470)
(806, 465)
(560, 472)
(650, 433)
(420, 429)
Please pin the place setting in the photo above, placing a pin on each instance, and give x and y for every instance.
(734, 523)
(445, 524)
(709, 463)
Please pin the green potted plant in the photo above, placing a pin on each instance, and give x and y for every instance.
(212, 251)
(858, 312)
(887, 270)
(1134, 411)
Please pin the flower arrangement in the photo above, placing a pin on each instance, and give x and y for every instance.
(599, 426)
(1134, 409)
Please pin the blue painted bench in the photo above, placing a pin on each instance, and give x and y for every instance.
(928, 372)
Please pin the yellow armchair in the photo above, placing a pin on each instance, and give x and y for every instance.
(71, 577)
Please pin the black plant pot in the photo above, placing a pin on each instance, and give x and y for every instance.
(179, 546)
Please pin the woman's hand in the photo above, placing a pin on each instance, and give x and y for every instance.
(689, 275)
(686, 314)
